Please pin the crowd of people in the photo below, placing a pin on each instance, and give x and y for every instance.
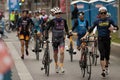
(28, 21)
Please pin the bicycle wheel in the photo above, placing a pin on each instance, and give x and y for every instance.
(37, 49)
(82, 64)
(95, 62)
(88, 65)
(47, 64)
(7, 27)
(71, 52)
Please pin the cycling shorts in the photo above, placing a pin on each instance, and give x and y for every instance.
(24, 36)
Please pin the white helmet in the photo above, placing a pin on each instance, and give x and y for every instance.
(102, 8)
(57, 10)
(52, 10)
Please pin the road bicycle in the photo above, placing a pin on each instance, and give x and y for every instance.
(71, 50)
(46, 58)
(37, 44)
(85, 59)
(10, 26)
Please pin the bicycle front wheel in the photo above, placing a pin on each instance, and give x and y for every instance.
(82, 64)
(47, 64)
(88, 66)
(71, 52)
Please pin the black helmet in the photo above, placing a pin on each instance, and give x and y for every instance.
(81, 13)
(25, 10)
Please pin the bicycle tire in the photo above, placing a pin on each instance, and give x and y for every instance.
(47, 65)
(71, 52)
(95, 56)
(82, 65)
(88, 65)
(37, 49)
(8, 28)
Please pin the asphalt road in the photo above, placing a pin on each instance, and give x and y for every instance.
(30, 68)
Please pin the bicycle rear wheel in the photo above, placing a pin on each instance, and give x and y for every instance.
(96, 56)
(37, 49)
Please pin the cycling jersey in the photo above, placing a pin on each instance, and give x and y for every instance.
(37, 22)
(58, 25)
(24, 23)
(81, 26)
(25, 28)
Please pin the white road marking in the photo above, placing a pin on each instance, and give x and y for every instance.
(20, 66)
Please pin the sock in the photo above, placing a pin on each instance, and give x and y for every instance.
(61, 64)
(56, 64)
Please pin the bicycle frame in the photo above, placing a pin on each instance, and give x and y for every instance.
(85, 60)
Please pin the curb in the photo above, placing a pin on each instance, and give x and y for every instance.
(116, 44)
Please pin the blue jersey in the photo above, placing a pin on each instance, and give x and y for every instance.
(37, 22)
(102, 27)
(81, 26)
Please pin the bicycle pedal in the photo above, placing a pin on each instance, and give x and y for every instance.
(40, 50)
(97, 56)
(33, 50)
(50, 61)
(42, 68)
(74, 52)
(67, 50)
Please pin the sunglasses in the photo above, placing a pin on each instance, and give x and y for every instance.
(103, 12)
(58, 13)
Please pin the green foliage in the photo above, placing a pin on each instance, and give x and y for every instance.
(115, 37)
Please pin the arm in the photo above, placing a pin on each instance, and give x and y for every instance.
(113, 26)
(66, 27)
(49, 25)
(87, 24)
(75, 25)
(90, 30)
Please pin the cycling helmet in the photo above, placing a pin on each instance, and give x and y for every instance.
(57, 10)
(25, 10)
(81, 13)
(102, 8)
(52, 10)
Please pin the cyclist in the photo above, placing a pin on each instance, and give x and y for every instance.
(24, 31)
(58, 24)
(104, 28)
(81, 26)
(45, 19)
(52, 15)
(37, 24)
